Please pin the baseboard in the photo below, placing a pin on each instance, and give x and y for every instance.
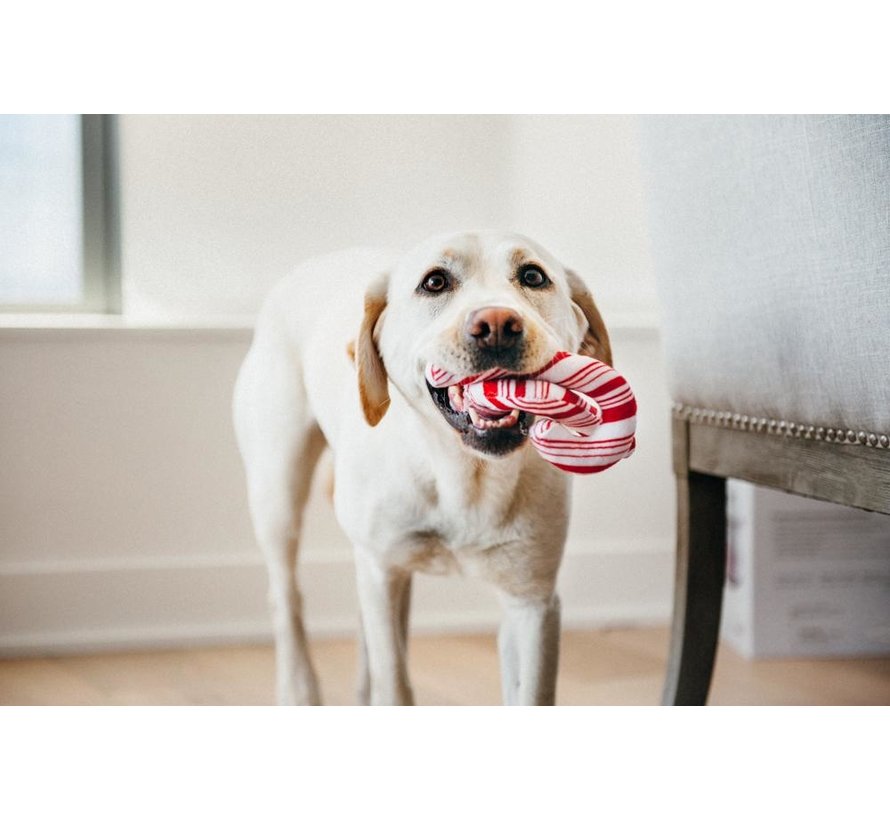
(79, 607)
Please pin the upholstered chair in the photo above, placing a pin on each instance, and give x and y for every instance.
(771, 244)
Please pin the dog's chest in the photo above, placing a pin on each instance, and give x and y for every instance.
(443, 550)
(454, 516)
(453, 526)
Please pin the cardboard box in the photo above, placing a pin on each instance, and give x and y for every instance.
(804, 578)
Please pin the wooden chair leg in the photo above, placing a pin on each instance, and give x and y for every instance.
(698, 591)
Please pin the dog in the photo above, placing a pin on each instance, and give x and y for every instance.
(338, 360)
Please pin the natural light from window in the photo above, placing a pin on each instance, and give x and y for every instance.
(41, 210)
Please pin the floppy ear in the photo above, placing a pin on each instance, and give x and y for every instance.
(596, 338)
(372, 379)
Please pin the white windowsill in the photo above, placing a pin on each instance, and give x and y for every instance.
(58, 326)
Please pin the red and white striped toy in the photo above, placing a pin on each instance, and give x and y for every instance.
(586, 411)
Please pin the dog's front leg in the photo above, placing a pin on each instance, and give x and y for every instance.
(384, 594)
(528, 642)
(363, 689)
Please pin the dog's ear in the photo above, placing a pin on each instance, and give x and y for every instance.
(373, 389)
(596, 338)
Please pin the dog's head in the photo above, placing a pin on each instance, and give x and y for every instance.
(469, 303)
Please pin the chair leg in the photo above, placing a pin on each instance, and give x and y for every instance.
(698, 591)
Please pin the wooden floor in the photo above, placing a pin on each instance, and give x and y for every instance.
(609, 667)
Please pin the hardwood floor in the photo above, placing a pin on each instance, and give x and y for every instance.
(605, 667)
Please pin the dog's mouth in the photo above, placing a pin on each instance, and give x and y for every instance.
(492, 433)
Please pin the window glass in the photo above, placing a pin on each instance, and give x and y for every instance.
(41, 210)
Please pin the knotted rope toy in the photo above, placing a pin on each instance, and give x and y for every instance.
(586, 411)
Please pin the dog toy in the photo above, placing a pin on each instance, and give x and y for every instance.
(585, 411)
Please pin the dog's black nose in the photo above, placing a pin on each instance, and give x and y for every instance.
(495, 328)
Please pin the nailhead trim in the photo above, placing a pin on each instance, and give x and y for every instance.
(790, 429)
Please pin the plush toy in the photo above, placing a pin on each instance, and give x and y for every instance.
(585, 411)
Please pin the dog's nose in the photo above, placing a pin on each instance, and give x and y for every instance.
(495, 328)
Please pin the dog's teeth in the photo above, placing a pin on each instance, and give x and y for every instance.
(456, 397)
(514, 414)
(474, 417)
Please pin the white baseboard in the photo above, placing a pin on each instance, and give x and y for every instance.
(78, 607)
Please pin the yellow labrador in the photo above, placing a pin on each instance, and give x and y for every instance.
(338, 359)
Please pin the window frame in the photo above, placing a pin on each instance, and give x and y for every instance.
(100, 204)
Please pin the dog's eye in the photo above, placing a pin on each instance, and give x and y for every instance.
(436, 281)
(532, 276)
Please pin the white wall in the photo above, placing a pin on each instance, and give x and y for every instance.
(123, 519)
(216, 209)
(575, 185)
(122, 512)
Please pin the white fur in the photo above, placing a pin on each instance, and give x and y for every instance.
(408, 493)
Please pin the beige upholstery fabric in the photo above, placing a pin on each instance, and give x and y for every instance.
(771, 243)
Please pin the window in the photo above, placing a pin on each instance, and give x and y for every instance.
(59, 235)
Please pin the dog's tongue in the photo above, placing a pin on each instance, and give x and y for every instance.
(487, 413)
